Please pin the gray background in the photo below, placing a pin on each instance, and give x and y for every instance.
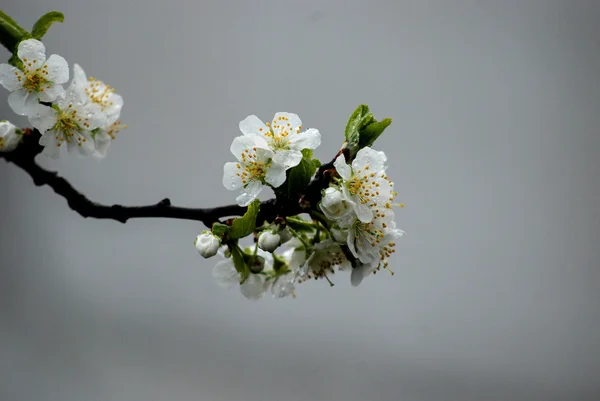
(493, 150)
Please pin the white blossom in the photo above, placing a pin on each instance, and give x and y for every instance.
(93, 91)
(40, 79)
(334, 204)
(284, 136)
(253, 170)
(207, 244)
(365, 183)
(268, 240)
(255, 285)
(294, 258)
(68, 121)
(10, 136)
(326, 258)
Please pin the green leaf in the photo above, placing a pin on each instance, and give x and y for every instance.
(45, 22)
(316, 163)
(300, 175)
(246, 224)
(220, 230)
(371, 132)
(238, 261)
(10, 32)
(357, 121)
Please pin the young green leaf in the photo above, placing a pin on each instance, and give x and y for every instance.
(238, 261)
(371, 132)
(246, 224)
(300, 175)
(45, 22)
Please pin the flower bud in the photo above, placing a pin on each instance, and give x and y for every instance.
(207, 244)
(9, 136)
(333, 204)
(268, 241)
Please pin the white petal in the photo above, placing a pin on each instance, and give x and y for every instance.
(249, 193)
(225, 274)
(102, 142)
(94, 115)
(283, 286)
(350, 241)
(58, 69)
(42, 117)
(363, 211)
(289, 118)
(50, 144)
(309, 139)
(231, 180)
(356, 277)
(368, 157)
(113, 111)
(22, 102)
(288, 158)
(241, 143)
(8, 78)
(31, 50)
(82, 144)
(254, 287)
(10, 138)
(275, 175)
(253, 125)
(342, 168)
(79, 76)
(51, 93)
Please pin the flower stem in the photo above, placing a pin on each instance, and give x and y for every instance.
(10, 32)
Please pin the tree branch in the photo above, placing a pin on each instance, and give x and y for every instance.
(24, 157)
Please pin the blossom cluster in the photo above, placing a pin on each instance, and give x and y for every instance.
(84, 117)
(265, 152)
(351, 227)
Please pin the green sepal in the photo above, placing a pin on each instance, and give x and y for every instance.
(220, 230)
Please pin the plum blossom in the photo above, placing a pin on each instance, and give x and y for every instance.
(93, 91)
(253, 170)
(284, 136)
(364, 184)
(39, 80)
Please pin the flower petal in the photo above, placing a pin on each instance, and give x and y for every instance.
(58, 69)
(369, 157)
(82, 144)
(288, 158)
(275, 175)
(22, 102)
(42, 117)
(32, 51)
(253, 125)
(363, 211)
(284, 121)
(309, 139)
(249, 193)
(8, 78)
(342, 168)
(241, 143)
(51, 145)
(225, 274)
(231, 178)
(102, 142)
(254, 287)
(51, 93)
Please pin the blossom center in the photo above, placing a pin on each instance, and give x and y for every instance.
(35, 81)
(69, 123)
(99, 92)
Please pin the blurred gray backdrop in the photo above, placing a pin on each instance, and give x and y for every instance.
(493, 149)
